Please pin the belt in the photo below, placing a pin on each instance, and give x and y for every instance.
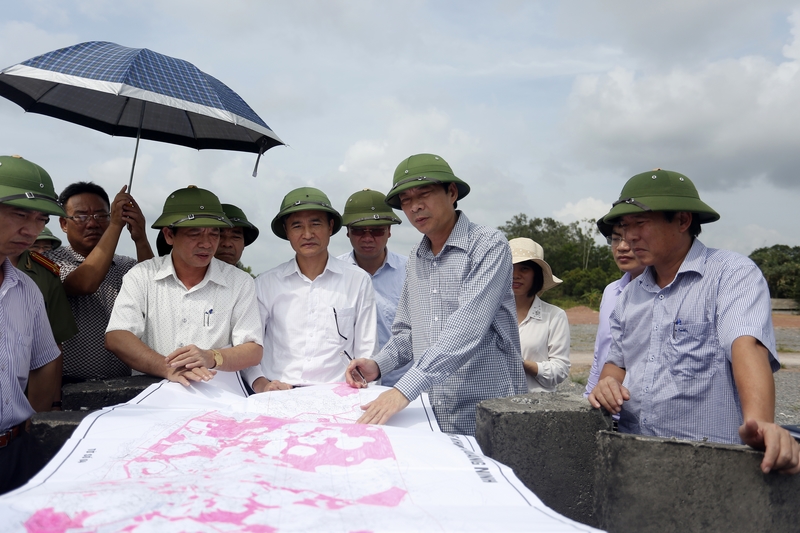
(7, 436)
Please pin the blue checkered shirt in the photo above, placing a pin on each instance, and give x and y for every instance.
(675, 345)
(457, 319)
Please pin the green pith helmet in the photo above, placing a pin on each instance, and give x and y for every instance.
(605, 229)
(368, 208)
(304, 199)
(239, 220)
(27, 185)
(192, 207)
(659, 190)
(422, 169)
(47, 235)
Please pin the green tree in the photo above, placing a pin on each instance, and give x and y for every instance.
(780, 265)
(572, 252)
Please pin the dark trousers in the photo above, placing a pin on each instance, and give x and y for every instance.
(16, 463)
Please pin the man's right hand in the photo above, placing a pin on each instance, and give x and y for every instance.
(609, 394)
(368, 368)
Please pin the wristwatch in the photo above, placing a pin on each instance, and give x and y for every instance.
(217, 358)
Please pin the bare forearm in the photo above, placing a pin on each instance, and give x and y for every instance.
(143, 250)
(612, 370)
(86, 279)
(753, 377)
(44, 384)
(240, 357)
(136, 354)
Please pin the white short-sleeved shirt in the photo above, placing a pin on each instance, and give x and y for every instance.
(219, 312)
(303, 337)
(544, 339)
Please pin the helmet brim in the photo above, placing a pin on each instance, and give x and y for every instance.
(393, 198)
(277, 222)
(660, 203)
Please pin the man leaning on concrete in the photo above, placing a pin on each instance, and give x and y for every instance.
(693, 348)
(456, 318)
(186, 315)
(631, 267)
(92, 273)
(314, 307)
(28, 352)
(369, 226)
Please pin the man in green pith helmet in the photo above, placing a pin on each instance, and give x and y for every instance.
(232, 241)
(45, 242)
(187, 315)
(28, 354)
(369, 226)
(316, 309)
(457, 317)
(693, 348)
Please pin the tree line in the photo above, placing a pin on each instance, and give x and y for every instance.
(586, 266)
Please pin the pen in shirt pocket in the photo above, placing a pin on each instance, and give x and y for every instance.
(207, 317)
(675, 327)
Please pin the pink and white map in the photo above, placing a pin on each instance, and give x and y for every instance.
(136, 468)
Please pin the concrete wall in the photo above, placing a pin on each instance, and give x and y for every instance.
(561, 449)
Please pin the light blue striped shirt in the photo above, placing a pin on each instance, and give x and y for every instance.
(457, 320)
(675, 345)
(26, 343)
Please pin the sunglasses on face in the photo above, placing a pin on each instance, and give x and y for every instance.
(375, 232)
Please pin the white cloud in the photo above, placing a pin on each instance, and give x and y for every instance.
(722, 124)
(590, 208)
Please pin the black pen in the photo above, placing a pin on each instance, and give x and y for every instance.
(357, 370)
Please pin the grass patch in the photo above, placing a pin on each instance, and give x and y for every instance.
(782, 348)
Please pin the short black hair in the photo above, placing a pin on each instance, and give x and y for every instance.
(81, 187)
(538, 278)
(694, 227)
(447, 190)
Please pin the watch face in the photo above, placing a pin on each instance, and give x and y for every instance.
(217, 357)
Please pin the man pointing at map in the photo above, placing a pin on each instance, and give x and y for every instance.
(456, 318)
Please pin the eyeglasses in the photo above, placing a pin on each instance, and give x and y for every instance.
(336, 318)
(83, 219)
(375, 232)
(614, 240)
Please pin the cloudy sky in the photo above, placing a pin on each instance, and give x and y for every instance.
(544, 108)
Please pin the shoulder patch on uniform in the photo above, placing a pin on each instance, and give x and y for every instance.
(47, 263)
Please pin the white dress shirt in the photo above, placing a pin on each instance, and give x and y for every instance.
(544, 338)
(307, 324)
(219, 312)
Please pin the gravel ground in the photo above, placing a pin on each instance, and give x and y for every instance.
(787, 380)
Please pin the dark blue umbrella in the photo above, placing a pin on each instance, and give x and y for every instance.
(135, 92)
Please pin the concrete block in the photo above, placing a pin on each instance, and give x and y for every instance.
(549, 441)
(649, 484)
(50, 431)
(92, 395)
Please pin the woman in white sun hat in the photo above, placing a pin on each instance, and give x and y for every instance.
(543, 328)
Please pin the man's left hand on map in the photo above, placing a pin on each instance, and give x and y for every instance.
(380, 410)
(185, 375)
(781, 451)
(190, 357)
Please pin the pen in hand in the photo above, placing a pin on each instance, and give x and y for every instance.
(357, 370)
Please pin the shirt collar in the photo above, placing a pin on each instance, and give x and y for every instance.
(535, 312)
(459, 237)
(213, 273)
(333, 265)
(695, 261)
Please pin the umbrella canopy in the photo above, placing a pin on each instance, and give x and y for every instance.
(135, 92)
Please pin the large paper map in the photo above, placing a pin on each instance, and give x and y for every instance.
(139, 468)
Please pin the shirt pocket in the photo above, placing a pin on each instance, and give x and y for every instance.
(344, 323)
(692, 352)
(21, 347)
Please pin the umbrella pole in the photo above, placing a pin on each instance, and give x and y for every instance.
(136, 150)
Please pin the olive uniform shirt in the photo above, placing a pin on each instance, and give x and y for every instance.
(46, 275)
